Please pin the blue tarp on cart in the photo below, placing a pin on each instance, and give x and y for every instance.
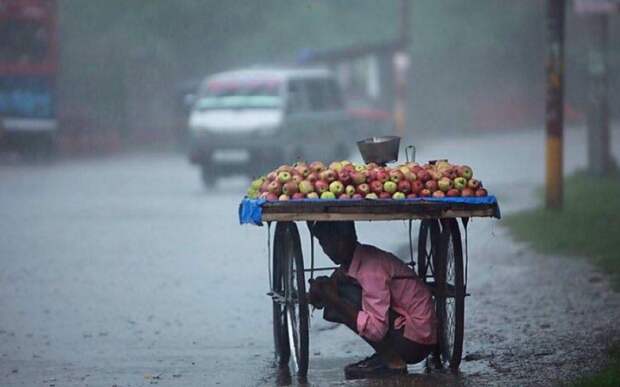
(250, 210)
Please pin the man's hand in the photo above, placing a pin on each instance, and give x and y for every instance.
(323, 290)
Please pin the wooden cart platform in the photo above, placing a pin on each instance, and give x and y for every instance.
(369, 210)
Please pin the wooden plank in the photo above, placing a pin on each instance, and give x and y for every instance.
(365, 216)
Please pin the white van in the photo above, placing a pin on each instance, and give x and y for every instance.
(250, 121)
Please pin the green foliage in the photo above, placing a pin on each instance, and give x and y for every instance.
(588, 225)
(609, 377)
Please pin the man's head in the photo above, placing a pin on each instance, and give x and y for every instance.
(337, 239)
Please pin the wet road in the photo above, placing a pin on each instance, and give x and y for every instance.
(124, 271)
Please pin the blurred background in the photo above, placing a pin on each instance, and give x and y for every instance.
(117, 74)
(117, 255)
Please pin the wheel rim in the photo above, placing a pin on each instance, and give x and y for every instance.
(449, 309)
(292, 305)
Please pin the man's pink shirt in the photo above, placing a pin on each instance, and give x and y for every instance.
(375, 270)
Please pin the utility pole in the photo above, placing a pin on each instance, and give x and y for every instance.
(554, 119)
(401, 67)
(599, 159)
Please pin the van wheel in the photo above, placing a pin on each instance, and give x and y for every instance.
(208, 176)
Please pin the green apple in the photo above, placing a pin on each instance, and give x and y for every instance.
(284, 176)
(460, 183)
(328, 195)
(306, 187)
(350, 190)
(336, 187)
(257, 183)
(372, 196)
(390, 186)
(445, 184)
(398, 195)
(312, 195)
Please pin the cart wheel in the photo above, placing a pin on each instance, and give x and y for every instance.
(293, 319)
(450, 294)
(428, 238)
(280, 329)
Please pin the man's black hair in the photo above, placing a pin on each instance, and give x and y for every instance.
(329, 228)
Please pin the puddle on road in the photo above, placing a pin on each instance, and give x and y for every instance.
(330, 372)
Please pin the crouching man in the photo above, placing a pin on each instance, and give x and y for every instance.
(379, 297)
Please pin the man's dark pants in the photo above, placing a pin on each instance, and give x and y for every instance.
(410, 351)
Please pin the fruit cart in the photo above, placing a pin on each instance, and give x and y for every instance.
(441, 260)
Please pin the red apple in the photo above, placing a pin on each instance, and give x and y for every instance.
(376, 186)
(344, 176)
(344, 196)
(328, 175)
(417, 186)
(425, 193)
(481, 192)
(436, 175)
(404, 186)
(317, 166)
(271, 197)
(453, 192)
(357, 196)
(358, 177)
(303, 170)
(348, 167)
(363, 189)
(312, 177)
(321, 186)
(412, 196)
(271, 176)
(396, 175)
(290, 188)
(467, 192)
(382, 176)
(385, 195)
(474, 184)
(439, 194)
(297, 178)
(284, 168)
(298, 196)
(275, 187)
(431, 185)
(424, 175)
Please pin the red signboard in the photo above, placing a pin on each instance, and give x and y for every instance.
(28, 37)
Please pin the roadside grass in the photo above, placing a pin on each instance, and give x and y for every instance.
(588, 225)
(608, 377)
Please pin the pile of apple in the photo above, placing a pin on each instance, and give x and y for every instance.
(345, 180)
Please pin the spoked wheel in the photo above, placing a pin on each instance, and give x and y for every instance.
(428, 238)
(450, 294)
(291, 314)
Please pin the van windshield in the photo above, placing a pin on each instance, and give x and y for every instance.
(240, 95)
